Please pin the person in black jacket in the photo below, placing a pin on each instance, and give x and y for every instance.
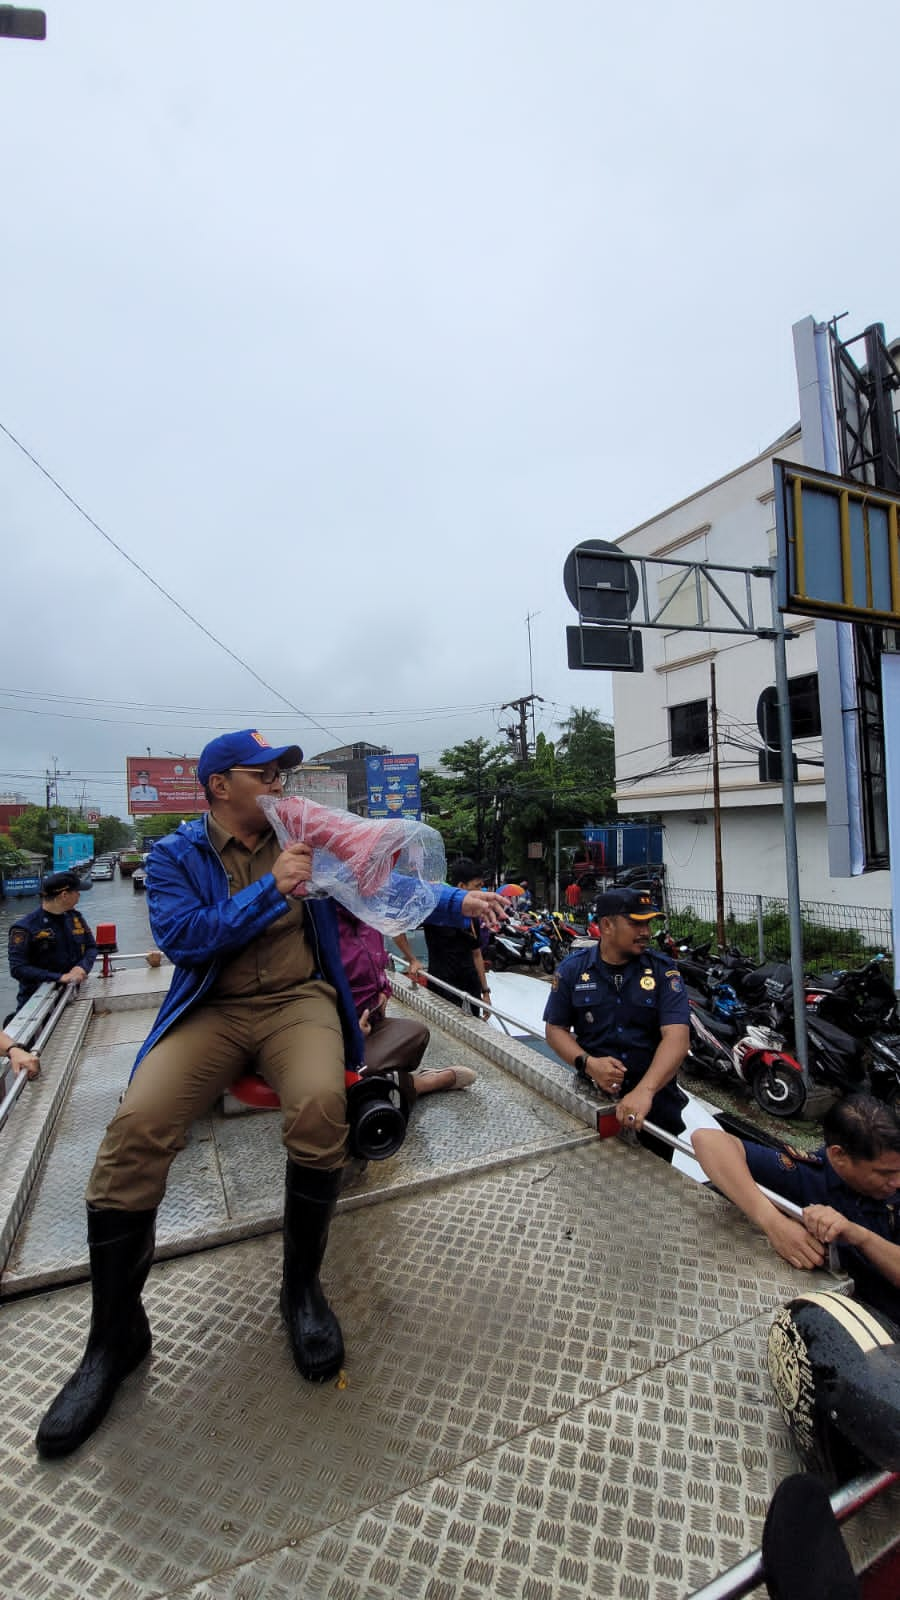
(53, 944)
(454, 954)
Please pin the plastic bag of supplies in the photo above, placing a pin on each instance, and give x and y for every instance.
(389, 874)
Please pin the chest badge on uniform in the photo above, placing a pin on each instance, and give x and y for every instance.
(585, 977)
(647, 982)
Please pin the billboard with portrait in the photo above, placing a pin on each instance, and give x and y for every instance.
(157, 784)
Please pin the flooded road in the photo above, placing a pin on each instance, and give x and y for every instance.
(106, 902)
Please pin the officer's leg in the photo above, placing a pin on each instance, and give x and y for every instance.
(176, 1082)
(301, 1053)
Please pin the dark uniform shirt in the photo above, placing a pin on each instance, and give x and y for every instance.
(451, 956)
(619, 1011)
(810, 1180)
(44, 945)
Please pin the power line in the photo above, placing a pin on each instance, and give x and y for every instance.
(156, 585)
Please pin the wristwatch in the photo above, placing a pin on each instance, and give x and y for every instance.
(581, 1066)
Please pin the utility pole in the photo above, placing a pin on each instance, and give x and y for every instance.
(717, 808)
(521, 706)
(528, 621)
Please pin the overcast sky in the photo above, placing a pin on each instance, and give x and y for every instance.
(347, 321)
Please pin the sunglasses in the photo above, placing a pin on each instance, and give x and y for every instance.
(263, 775)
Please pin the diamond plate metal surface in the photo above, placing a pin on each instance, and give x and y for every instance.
(542, 1399)
(25, 1136)
(228, 1182)
(51, 1246)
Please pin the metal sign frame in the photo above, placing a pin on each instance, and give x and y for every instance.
(838, 546)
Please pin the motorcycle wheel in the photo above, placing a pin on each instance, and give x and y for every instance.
(547, 961)
(779, 1090)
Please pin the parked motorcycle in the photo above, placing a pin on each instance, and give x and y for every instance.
(520, 943)
(861, 1001)
(836, 1058)
(753, 1057)
(884, 1068)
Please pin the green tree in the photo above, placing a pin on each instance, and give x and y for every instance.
(111, 833)
(460, 800)
(11, 859)
(35, 828)
(165, 822)
(587, 744)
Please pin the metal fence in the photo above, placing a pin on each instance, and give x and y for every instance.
(833, 935)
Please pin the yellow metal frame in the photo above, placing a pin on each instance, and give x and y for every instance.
(847, 494)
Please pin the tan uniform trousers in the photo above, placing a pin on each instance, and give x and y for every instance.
(295, 1044)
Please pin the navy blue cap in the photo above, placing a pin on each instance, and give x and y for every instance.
(56, 882)
(633, 903)
(246, 748)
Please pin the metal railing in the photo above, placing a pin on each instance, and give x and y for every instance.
(31, 1028)
(833, 935)
(604, 1106)
(747, 1574)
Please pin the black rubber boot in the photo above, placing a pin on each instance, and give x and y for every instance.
(121, 1250)
(803, 1554)
(314, 1330)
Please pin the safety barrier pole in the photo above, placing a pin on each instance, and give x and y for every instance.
(672, 1139)
(747, 1574)
(34, 1037)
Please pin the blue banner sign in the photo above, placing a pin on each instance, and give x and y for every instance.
(393, 787)
(71, 849)
(22, 885)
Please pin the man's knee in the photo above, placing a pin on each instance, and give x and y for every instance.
(315, 1128)
(133, 1161)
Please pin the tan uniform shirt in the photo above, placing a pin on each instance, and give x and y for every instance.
(279, 960)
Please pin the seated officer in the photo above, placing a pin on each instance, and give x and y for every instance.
(849, 1189)
(620, 1016)
(53, 944)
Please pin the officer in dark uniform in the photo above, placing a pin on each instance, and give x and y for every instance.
(620, 1016)
(54, 944)
(849, 1190)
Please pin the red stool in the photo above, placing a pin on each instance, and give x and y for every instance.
(254, 1092)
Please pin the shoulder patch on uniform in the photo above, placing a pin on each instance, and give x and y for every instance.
(806, 1158)
(17, 936)
(555, 982)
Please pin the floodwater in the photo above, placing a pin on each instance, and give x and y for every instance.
(114, 902)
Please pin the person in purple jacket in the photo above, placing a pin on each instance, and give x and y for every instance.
(392, 1044)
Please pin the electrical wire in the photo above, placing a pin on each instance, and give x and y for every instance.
(158, 586)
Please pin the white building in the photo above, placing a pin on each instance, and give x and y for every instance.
(662, 715)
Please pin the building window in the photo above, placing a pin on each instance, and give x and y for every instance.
(689, 728)
(683, 600)
(806, 718)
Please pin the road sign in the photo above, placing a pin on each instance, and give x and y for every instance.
(600, 582)
(604, 650)
(838, 546)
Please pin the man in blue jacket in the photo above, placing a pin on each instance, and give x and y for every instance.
(258, 978)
